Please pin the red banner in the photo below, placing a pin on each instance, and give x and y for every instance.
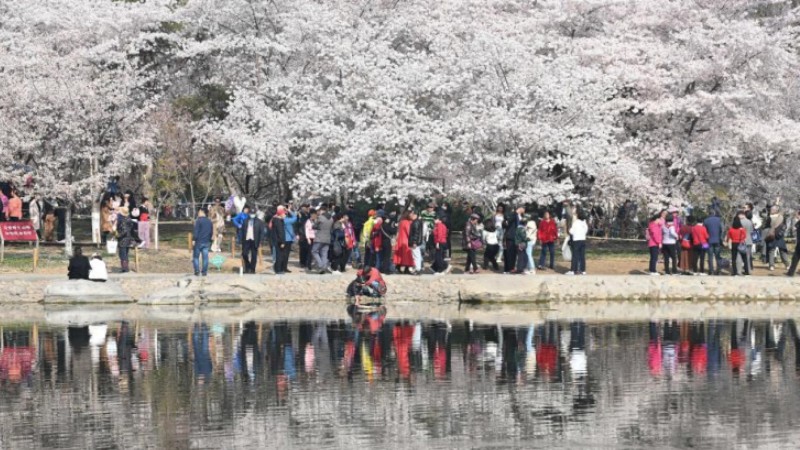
(18, 231)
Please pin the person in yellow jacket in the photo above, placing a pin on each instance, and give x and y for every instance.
(366, 236)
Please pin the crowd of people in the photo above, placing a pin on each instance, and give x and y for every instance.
(686, 243)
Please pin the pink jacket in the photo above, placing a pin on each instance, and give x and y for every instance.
(655, 234)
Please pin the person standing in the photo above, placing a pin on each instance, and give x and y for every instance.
(427, 218)
(14, 207)
(389, 230)
(713, 225)
(128, 237)
(578, 232)
(323, 226)
(509, 235)
(217, 216)
(471, 243)
(521, 242)
(776, 237)
(737, 238)
(309, 235)
(796, 255)
(700, 244)
(251, 235)
(669, 246)
(748, 226)
(202, 235)
(403, 259)
(440, 266)
(107, 219)
(35, 213)
(366, 237)
(304, 249)
(144, 222)
(548, 235)
(532, 232)
(283, 228)
(491, 245)
(655, 238)
(417, 240)
(78, 266)
(239, 220)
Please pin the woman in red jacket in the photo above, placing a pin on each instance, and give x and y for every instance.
(547, 235)
(738, 238)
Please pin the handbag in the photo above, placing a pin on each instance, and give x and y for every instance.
(566, 251)
(476, 244)
(111, 246)
(686, 242)
(756, 236)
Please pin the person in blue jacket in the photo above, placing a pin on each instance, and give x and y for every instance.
(239, 220)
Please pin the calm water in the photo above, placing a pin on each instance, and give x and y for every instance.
(377, 380)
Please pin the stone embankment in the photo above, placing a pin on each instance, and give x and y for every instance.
(177, 289)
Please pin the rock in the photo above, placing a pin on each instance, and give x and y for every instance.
(171, 296)
(84, 291)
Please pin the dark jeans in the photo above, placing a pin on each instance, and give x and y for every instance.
(670, 252)
(490, 256)
(548, 247)
(439, 264)
(522, 261)
(200, 250)
(795, 260)
(249, 256)
(305, 253)
(123, 257)
(282, 260)
(471, 260)
(653, 259)
(734, 265)
(698, 259)
(578, 264)
(714, 258)
(509, 255)
(368, 256)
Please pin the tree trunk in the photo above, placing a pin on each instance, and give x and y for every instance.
(68, 232)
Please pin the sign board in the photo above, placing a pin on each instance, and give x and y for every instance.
(18, 231)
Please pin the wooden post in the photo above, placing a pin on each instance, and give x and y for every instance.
(233, 246)
(136, 259)
(260, 259)
(36, 256)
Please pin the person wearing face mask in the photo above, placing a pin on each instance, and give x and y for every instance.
(251, 234)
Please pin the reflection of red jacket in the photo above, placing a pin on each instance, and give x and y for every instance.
(699, 358)
(547, 231)
(736, 359)
(654, 357)
(547, 358)
(440, 233)
(403, 335)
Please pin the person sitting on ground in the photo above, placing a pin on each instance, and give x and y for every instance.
(78, 266)
(98, 270)
(369, 283)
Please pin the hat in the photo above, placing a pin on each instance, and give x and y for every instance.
(474, 216)
(432, 205)
(371, 213)
(381, 213)
(123, 210)
(672, 209)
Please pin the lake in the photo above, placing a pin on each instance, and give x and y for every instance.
(374, 379)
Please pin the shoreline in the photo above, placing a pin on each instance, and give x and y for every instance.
(182, 289)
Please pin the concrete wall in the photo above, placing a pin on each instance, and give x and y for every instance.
(450, 289)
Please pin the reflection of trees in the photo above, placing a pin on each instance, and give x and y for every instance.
(273, 384)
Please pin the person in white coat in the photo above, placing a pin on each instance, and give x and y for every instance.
(577, 232)
(97, 268)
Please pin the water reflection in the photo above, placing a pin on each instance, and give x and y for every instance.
(378, 379)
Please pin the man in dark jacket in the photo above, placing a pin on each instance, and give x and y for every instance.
(251, 234)
(300, 228)
(416, 240)
(202, 236)
(389, 230)
(509, 233)
(713, 225)
(78, 266)
(277, 234)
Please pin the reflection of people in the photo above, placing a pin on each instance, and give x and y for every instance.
(78, 266)
(202, 355)
(369, 283)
